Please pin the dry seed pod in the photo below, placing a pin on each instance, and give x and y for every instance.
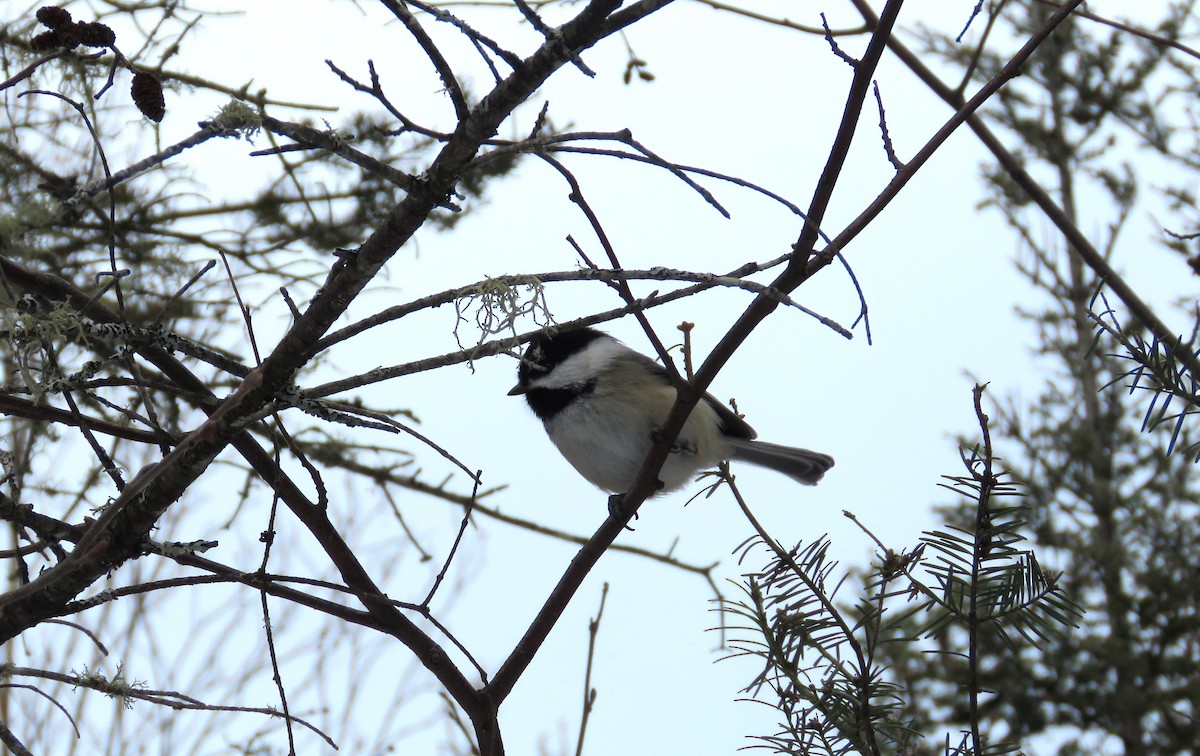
(68, 37)
(95, 34)
(148, 96)
(53, 17)
(45, 42)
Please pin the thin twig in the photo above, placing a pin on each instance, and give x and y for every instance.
(589, 693)
(883, 130)
(76, 626)
(449, 80)
(982, 543)
(1135, 31)
(183, 289)
(108, 180)
(619, 283)
(462, 528)
(783, 22)
(511, 58)
(859, 672)
(733, 279)
(833, 45)
(10, 405)
(550, 34)
(376, 90)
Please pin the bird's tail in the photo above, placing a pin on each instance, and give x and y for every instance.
(801, 465)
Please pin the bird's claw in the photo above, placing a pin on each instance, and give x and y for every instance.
(616, 511)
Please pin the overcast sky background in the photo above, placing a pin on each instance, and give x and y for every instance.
(730, 95)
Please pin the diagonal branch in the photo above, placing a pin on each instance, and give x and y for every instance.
(1078, 242)
(964, 114)
(11, 405)
(645, 485)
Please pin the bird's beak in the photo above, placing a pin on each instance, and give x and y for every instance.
(518, 390)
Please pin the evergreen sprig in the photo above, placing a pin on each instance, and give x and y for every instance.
(819, 675)
(1174, 391)
(968, 585)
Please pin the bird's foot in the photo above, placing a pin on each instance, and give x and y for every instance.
(616, 511)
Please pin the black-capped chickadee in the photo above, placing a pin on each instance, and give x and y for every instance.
(603, 405)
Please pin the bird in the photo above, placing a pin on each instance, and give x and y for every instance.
(604, 405)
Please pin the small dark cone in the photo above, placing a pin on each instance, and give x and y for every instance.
(96, 34)
(53, 17)
(45, 42)
(148, 96)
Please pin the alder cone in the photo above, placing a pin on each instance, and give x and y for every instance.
(45, 42)
(148, 96)
(96, 34)
(53, 17)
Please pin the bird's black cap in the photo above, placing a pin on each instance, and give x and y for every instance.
(550, 348)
